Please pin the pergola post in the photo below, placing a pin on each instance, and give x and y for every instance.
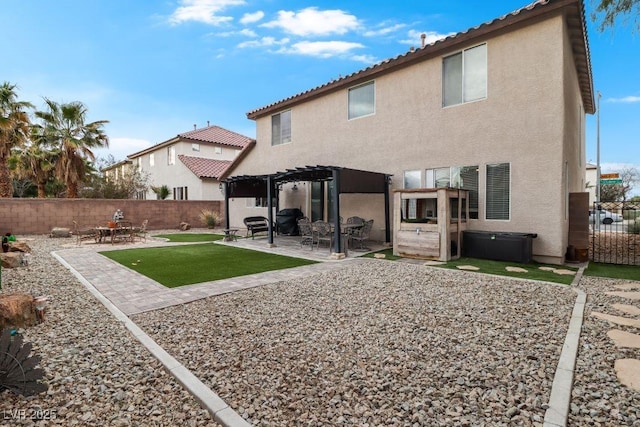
(336, 212)
(226, 205)
(270, 207)
(387, 221)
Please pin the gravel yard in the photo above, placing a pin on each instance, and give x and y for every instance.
(98, 373)
(598, 398)
(382, 343)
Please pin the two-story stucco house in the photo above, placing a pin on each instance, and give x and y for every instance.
(498, 110)
(191, 163)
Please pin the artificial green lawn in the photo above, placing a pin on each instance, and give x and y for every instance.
(190, 237)
(498, 268)
(629, 272)
(188, 264)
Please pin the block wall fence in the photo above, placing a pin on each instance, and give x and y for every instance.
(39, 216)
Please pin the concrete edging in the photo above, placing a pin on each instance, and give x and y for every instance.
(219, 410)
(560, 400)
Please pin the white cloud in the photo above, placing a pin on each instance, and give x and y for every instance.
(414, 37)
(264, 41)
(247, 32)
(625, 100)
(311, 21)
(205, 11)
(322, 49)
(383, 30)
(250, 18)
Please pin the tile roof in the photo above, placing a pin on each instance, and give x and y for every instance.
(575, 22)
(205, 168)
(217, 135)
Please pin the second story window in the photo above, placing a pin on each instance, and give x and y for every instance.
(195, 147)
(217, 150)
(362, 100)
(281, 128)
(171, 155)
(464, 76)
(152, 159)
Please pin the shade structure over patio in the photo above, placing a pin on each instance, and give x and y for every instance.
(345, 181)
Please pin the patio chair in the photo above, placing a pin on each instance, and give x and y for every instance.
(141, 233)
(306, 232)
(323, 233)
(361, 235)
(355, 220)
(84, 233)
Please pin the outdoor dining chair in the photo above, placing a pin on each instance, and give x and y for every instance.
(361, 235)
(323, 233)
(306, 232)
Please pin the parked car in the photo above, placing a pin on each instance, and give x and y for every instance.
(606, 217)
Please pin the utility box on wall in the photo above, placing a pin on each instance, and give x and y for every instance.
(428, 222)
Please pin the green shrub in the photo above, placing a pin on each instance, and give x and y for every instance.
(634, 227)
(209, 218)
(631, 214)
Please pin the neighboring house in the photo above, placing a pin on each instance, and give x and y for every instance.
(498, 109)
(191, 164)
(118, 171)
(591, 181)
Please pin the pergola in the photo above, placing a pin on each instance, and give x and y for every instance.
(345, 181)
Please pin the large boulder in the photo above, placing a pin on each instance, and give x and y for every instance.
(17, 311)
(19, 247)
(12, 259)
(60, 232)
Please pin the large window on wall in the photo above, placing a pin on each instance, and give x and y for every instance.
(464, 76)
(362, 100)
(463, 177)
(281, 128)
(180, 193)
(498, 194)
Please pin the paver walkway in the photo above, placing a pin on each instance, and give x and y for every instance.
(134, 293)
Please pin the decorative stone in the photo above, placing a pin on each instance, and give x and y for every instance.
(60, 232)
(468, 267)
(184, 226)
(19, 247)
(546, 268)
(628, 372)
(629, 309)
(628, 286)
(564, 271)
(434, 263)
(624, 339)
(11, 259)
(627, 295)
(379, 256)
(17, 310)
(618, 320)
(516, 269)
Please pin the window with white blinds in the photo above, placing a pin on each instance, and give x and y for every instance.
(281, 128)
(362, 100)
(498, 194)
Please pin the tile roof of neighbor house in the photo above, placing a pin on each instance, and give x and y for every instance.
(205, 168)
(575, 17)
(209, 134)
(217, 135)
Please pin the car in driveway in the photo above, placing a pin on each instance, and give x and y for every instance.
(606, 217)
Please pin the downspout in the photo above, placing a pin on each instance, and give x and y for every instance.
(387, 201)
(336, 212)
(226, 204)
(270, 213)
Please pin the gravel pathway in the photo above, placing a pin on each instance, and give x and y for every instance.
(98, 373)
(598, 398)
(382, 343)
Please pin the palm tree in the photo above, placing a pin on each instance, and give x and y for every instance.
(14, 129)
(64, 125)
(35, 161)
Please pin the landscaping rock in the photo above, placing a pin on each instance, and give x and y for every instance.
(11, 259)
(17, 311)
(60, 232)
(19, 247)
(184, 226)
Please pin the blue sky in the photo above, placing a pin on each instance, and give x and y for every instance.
(156, 68)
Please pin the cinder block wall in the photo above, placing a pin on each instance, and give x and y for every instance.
(39, 216)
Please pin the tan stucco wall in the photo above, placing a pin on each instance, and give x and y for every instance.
(523, 121)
